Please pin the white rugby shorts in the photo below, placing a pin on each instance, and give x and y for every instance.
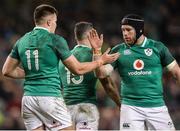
(141, 118)
(85, 116)
(44, 110)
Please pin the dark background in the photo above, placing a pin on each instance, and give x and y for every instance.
(162, 18)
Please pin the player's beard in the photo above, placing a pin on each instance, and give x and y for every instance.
(131, 42)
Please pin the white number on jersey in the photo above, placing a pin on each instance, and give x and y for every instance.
(71, 79)
(36, 56)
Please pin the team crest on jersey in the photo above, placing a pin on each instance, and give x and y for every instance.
(138, 64)
(148, 51)
(127, 52)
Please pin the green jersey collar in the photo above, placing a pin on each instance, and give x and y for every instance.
(140, 45)
(39, 27)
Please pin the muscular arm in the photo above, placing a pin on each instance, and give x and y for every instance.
(96, 42)
(111, 89)
(11, 68)
(175, 71)
(81, 68)
(104, 70)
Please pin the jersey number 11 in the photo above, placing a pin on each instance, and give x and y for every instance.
(36, 56)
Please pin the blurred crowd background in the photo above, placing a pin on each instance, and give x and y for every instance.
(162, 18)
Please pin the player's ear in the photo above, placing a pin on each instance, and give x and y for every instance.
(48, 22)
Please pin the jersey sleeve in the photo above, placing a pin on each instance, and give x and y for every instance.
(14, 52)
(61, 47)
(166, 56)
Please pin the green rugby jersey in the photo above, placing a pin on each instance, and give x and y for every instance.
(78, 88)
(39, 52)
(141, 68)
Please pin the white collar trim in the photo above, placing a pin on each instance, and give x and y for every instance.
(39, 27)
(144, 42)
(81, 46)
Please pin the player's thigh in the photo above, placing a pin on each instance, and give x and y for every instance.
(30, 118)
(54, 113)
(131, 118)
(158, 118)
(87, 117)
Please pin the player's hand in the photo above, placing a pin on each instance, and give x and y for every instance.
(107, 58)
(94, 39)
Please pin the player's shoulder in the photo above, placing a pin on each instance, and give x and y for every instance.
(22, 38)
(155, 43)
(56, 39)
(118, 47)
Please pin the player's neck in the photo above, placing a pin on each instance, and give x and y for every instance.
(84, 42)
(140, 40)
(43, 26)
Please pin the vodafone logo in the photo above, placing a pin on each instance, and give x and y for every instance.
(138, 64)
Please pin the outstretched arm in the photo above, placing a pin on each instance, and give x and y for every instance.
(11, 68)
(81, 68)
(96, 43)
(111, 89)
(103, 71)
